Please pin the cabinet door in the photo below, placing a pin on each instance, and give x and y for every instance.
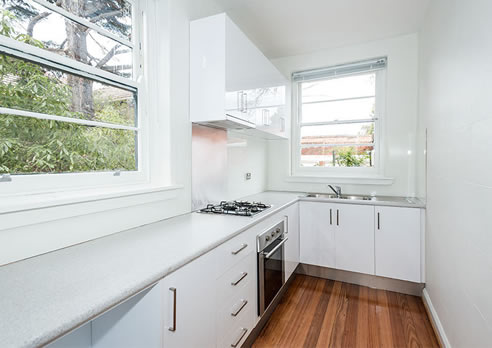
(80, 338)
(292, 245)
(189, 298)
(136, 322)
(354, 238)
(398, 243)
(317, 233)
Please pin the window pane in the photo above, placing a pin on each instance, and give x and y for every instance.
(31, 23)
(340, 134)
(356, 109)
(29, 146)
(339, 88)
(337, 156)
(31, 87)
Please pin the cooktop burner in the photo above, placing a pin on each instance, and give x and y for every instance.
(241, 208)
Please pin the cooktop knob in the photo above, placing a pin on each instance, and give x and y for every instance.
(273, 233)
(267, 238)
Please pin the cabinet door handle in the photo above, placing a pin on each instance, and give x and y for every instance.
(245, 102)
(240, 337)
(286, 224)
(331, 217)
(244, 303)
(173, 328)
(379, 222)
(243, 275)
(241, 248)
(338, 217)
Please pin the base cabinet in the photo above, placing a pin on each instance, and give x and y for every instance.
(189, 301)
(354, 238)
(398, 243)
(317, 242)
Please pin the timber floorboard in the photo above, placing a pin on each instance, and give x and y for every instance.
(316, 312)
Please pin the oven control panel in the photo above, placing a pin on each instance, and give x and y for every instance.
(269, 236)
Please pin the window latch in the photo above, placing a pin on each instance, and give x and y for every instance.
(117, 173)
(5, 178)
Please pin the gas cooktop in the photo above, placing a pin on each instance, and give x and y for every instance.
(240, 208)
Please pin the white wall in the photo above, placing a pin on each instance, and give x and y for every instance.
(400, 119)
(82, 222)
(456, 104)
(246, 154)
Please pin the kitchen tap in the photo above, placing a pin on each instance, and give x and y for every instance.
(336, 189)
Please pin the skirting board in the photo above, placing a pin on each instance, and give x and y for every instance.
(436, 323)
(371, 281)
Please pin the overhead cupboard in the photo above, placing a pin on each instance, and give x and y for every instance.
(376, 240)
(232, 84)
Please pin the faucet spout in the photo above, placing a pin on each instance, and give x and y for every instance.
(336, 189)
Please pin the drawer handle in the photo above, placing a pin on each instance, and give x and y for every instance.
(173, 328)
(243, 246)
(243, 275)
(236, 343)
(244, 303)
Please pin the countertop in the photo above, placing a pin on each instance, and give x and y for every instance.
(44, 297)
(47, 296)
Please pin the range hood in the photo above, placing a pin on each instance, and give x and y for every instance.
(229, 122)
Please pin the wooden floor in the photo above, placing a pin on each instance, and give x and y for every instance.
(324, 313)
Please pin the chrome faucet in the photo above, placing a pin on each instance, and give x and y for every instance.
(337, 190)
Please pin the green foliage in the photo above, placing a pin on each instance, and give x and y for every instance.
(348, 157)
(29, 145)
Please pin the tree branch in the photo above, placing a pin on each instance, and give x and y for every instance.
(108, 56)
(105, 15)
(34, 21)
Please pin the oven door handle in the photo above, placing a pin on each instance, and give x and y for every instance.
(267, 256)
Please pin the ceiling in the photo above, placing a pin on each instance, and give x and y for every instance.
(290, 27)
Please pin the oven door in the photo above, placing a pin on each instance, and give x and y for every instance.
(271, 273)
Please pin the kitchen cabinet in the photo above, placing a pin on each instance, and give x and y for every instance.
(354, 238)
(292, 245)
(231, 81)
(80, 338)
(190, 303)
(317, 241)
(136, 322)
(397, 243)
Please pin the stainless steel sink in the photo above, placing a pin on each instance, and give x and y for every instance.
(388, 199)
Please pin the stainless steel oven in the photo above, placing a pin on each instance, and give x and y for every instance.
(271, 265)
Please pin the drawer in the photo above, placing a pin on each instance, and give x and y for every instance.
(232, 312)
(237, 277)
(233, 251)
(238, 333)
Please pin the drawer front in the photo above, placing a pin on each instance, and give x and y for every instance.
(229, 284)
(233, 251)
(239, 331)
(241, 305)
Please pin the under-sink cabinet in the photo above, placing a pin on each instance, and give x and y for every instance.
(374, 240)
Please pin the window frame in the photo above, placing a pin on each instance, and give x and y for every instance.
(358, 172)
(21, 184)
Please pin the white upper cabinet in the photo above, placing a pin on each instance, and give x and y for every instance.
(354, 238)
(232, 84)
(398, 242)
(318, 233)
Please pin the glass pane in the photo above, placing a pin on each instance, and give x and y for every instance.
(356, 109)
(340, 134)
(31, 23)
(29, 145)
(339, 88)
(337, 156)
(31, 87)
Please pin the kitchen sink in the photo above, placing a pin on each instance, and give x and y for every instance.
(386, 199)
(330, 196)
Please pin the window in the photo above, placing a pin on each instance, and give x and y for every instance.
(69, 90)
(339, 112)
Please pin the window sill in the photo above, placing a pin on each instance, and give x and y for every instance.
(20, 203)
(353, 180)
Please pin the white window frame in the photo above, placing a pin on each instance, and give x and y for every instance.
(51, 183)
(339, 172)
